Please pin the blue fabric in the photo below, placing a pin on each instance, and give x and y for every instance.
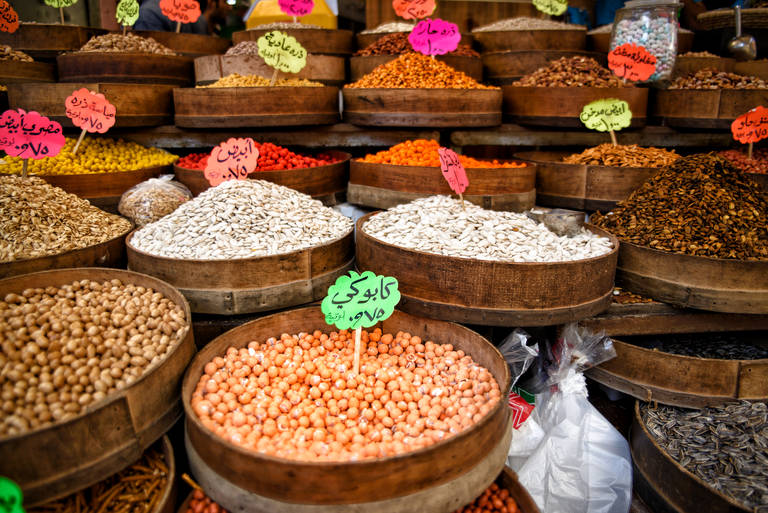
(152, 18)
(605, 11)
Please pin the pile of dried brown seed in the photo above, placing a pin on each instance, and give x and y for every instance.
(620, 155)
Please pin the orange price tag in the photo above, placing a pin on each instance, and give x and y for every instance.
(632, 62)
(9, 19)
(414, 9)
(90, 111)
(752, 126)
(234, 159)
(453, 171)
(182, 11)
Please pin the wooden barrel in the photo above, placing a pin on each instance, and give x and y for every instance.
(325, 41)
(601, 42)
(15, 72)
(752, 68)
(247, 285)
(561, 106)
(505, 67)
(430, 478)
(422, 107)
(190, 45)
(365, 40)
(362, 65)
(732, 286)
(705, 108)
(326, 183)
(125, 67)
(112, 433)
(47, 40)
(135, 104)
(664, 484)
(582, 186)
(385, 185)
(227, 107)
(328, 69)
(686, 65)
(502, 40)
(488, 292)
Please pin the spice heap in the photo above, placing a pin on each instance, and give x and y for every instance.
(38, 219)
(95, 155)
(757, 164)
(625, 297)
(135, 489)
(699, 54)
(283, 25)
(700, 205)
(244, 48)
(9, 54)
(441, 225)
(69, 346)
(393, 26)
(525, 23)
(242, 219)
(115, 42)
(236, 80)
(201, 503)
(493, 500)
(571, 72)
(630, 155)
(409, 394)
(423, 152)
(709, 78)
(415, 70)
(397, 43)
(271, 157)
(721, 346)
(725, 446)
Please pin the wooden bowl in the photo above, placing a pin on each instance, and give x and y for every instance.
(488, 292)
(343, 486)
(503, 40)
(125, 67)
(248, 285)
(15, 72)
(190, 45)
(705, 108)
(505, 67)
(68, 456)
(422, 107)
(365, 40)
(228, 107)
(561, 106)
(508, 480)
(362, 65)
(757, 69)
(582, 186)
(47, 40)
(328, 69)
(601, 42)
(385, 185)
(324, 41)
(686, 65)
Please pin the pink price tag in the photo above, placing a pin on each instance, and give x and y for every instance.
(435, 37)
(90, 111)
(183, 11)
(234, 159)
(30, 135)
(296, 7)
(453, 170)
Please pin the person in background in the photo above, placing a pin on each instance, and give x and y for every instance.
(152, 18)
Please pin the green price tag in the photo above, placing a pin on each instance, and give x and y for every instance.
(11, 499)
(360, 300)
(60, 3)
(606, 115)
(551, 7)
(127, 12)
(282, 52)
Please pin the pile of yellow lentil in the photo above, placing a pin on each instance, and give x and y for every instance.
(236, 80)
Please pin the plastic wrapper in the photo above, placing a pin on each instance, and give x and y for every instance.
(152, 199)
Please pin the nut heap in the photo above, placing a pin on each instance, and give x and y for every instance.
(525, 24)
(706, 55)
(757, 164)
(493, 500)
(242, 219)
(244, 48)
(393, 26)
(397, 43)
(709, 78)
(571, 72)
(286, 25)
(38, 219)
(701, 205)
(9, 54)
(621, 155)
(69, 346)
(236, 80)
(125, 43)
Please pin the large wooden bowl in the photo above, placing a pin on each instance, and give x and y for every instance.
(15, 72)
(125, 67)
(325, 41)
(385, 185)
(705, 108)
(328, 69)
(362, 65)
(422, 107)
(349, 483)
(757, 69)
(365, 40)
(190, 45)
(505, 67)
(64, 457)
(492, 293)
(502, 40)
(686, 65)
(47, 40)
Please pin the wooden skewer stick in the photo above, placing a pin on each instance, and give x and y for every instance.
(79, 140)
(358, 333)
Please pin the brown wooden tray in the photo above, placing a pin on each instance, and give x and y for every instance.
(325, 41)
(71, 455)
(505, 67)
(705, 108)
(190, 45)
(365, 40)
(363, 65)
(47, 40)
(328, 69)
(226, 107)
(15, 72)
(752, 68)
(686, 65)
(571, 39)
(422, 107)
(137, 68)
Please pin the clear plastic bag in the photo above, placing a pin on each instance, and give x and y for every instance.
(148, 201)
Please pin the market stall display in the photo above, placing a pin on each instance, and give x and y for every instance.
(315, 39)
(530, 34)
(44, 41)
(692, 62)
(505, 67)
(18, 67)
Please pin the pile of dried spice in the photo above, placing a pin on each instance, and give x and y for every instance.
(620, 155)
(709, 78)
(237, 80)
(423, 152)
(701, 205)
(571, 72)
(397, 43)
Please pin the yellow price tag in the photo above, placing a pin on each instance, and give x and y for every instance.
(608, 114)
(551, 7)
(282, 52)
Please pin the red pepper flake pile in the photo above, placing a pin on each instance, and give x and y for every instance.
(271, 157)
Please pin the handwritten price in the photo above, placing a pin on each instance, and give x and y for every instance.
(414, 9)
(30, 135)
(632, 62)
(453, 171)
(752, 126)
(435, 37)
(233, 159)
(606, 115)
(127, 12)
(60, 3)
(183, 11)
(90, 111)
(360, 300)
(281, 51)
(9, 19)
(296, 7)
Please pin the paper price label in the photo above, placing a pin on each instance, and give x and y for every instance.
(90, 111)
(752, 126)
(30, 135)
(360, 300)
(632, 62)
(127, 12)
(296, 7)
(453, 171)
(606, 114)
(9, 19)
(183, 11)
(60, 3)
(435, 37)
(551, 7)
(414, 9)
(234, 159)
(11, 499)
(283, 52)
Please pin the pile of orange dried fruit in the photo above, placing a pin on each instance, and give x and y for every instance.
(423, 152)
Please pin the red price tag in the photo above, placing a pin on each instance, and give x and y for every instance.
(9, 20)
(435, 37)
(752, 126)
(29, 135)
(183, 11)
(453, 171)
(90, 111)
(296, 7)
(632, 62)
(414, 9)
(234, 159)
